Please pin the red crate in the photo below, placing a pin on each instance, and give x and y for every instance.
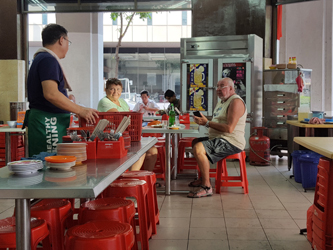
(134, 129)
(111, 149)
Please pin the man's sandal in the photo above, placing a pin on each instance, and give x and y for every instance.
(196, 183)
(202, 192)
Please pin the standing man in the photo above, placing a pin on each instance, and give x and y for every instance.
(146, 106)
(49, 114)
(226, 134)
(171, 98)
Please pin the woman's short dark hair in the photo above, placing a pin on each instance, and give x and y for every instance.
(114, 81)
(169, 93)
(52, 33)
(143, 92)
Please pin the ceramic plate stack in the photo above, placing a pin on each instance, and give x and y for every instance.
(25, 167)
(60, 162)
(25, 180)
(77, 149)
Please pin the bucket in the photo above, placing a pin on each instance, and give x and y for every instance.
(296, 166)
(16, 107)
(319, 114)
(308, 164)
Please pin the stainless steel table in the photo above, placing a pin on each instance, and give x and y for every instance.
(17, 131)
(99, 174)
(145, 118)
(189, 129)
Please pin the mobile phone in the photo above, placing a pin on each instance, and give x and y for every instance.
(197, 113)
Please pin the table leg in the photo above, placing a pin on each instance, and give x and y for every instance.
(167, 164)
(23, 231)
(174, 155)
(8, 147)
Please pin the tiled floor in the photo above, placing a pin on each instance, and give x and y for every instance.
(269, 217)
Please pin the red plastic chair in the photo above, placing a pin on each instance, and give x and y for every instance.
(222, 178)
(182, 162)
(39, 232)
(54, 212)
(100, 235)
(139, 190)
(159, 168)
(116, 209)
(150, 178)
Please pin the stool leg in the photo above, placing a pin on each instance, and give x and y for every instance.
(218, 177)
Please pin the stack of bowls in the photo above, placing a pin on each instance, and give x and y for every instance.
(79, 150)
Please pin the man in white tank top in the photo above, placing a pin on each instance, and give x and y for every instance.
(226, 134)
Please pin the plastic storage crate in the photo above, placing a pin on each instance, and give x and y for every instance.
(134, 129)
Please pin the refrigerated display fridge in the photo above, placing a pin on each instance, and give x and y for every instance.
(206, 60)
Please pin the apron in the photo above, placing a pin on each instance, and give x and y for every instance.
(45, 130)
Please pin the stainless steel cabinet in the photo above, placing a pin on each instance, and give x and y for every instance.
(282, 99)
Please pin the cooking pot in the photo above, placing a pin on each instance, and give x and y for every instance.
(319, 114)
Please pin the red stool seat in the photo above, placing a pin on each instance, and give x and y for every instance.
(116, 209)
(139, 190)
(100, 235)
(54, 212)
(150, 178)
(39, 232)
(222, 178)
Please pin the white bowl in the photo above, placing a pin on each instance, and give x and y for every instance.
(11, 124)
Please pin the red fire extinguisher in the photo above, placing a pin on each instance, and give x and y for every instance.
(259, 148)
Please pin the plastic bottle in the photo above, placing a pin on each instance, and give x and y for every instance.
(172, 115)
(294, 60)
(290, 60)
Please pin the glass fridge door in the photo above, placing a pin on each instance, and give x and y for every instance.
(197, 85)
(240, 72)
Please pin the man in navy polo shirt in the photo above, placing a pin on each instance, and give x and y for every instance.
(50, 108)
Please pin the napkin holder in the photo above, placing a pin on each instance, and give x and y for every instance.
(111, 149)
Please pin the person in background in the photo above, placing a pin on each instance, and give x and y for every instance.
(226, 134)
(146, 106)
(50, 108)
(113, 103)
(171, 98)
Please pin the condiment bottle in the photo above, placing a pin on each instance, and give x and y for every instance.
(290, 60)
(294, 60)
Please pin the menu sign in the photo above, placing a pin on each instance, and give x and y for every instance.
(197, 86)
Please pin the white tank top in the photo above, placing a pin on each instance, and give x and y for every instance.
(237, 137)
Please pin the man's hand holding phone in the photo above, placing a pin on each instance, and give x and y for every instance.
(199, 118)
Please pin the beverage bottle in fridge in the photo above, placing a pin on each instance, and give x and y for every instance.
(172, 115)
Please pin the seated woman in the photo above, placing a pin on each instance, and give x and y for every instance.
(113, 103)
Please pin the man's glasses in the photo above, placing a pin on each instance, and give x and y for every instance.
(69, 42)
(221, 87)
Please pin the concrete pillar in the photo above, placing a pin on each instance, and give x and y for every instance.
(12, 78)
(307, 34)
(84, 61)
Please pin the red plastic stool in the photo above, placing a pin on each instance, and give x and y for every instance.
(100, 235)
(116, 209)
(182, 162)
(55, 212)
(39, 232)
(159, 168)
(150, 178)
(222, 178)
(139, 190)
